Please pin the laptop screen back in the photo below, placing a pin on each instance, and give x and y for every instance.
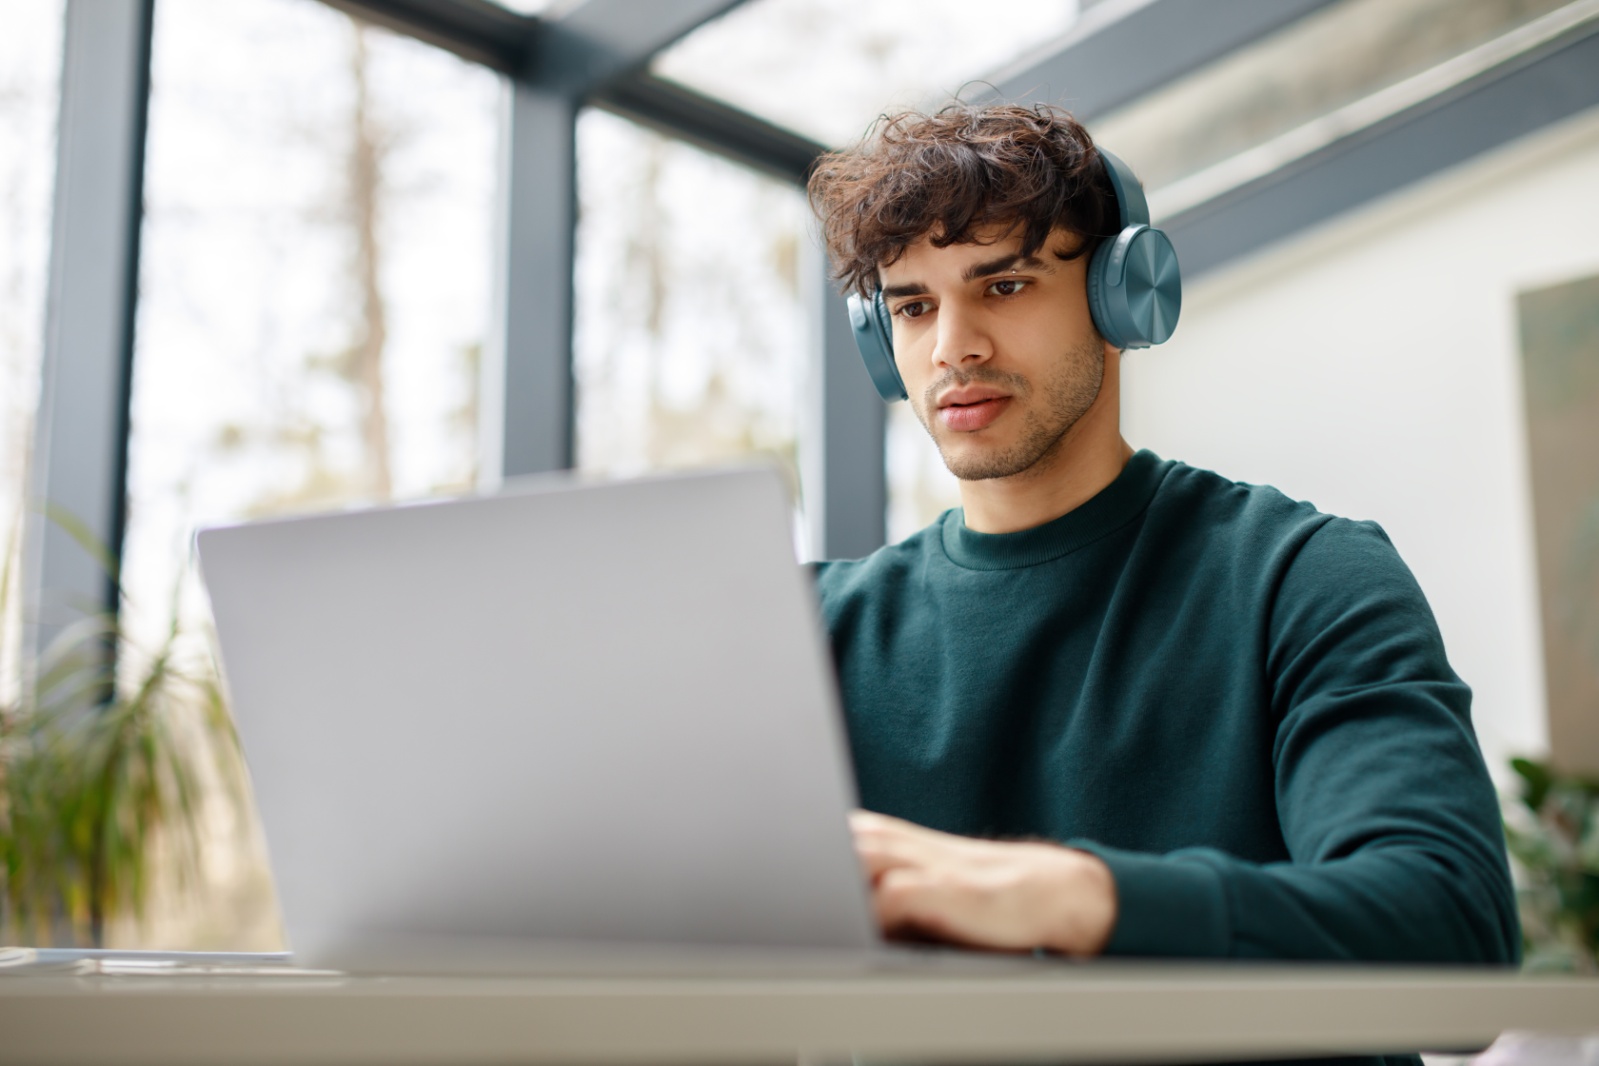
(576, 713)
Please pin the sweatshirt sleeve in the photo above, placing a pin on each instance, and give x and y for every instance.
(1384, 801)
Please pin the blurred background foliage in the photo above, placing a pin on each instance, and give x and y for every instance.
(105, 781)
(1553, 832)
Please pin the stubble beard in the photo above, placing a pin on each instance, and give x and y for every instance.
(1063, 399)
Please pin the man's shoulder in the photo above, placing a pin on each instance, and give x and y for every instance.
(1259, 530)
(890, 564)
(1250, 515)
(1225, 503)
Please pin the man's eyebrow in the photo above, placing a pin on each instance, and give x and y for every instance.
(997, 265)
(1000, 264)
(910, 288)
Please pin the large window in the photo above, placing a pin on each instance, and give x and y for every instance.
(30, 72)
(315, 291)
(316, 271)
(691, 332)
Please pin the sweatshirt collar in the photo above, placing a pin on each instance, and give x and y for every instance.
(1113, 507)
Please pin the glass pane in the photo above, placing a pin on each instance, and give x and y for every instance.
(30, 90)
(1280, 86)
(859, 59)
(315, 287)
(691, 336)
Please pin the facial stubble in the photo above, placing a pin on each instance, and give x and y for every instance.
(1062, 400)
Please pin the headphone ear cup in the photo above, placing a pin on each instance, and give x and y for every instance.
(874, 336)
(1135, 291)
(1136, 288)
(1153, 285)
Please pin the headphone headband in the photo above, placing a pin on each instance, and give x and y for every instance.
(1131, 207)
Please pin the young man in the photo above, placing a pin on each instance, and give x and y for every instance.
(1116, 704)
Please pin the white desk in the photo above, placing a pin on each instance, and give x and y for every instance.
(1065, 1013)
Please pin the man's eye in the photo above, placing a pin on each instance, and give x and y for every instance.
(914, 309)
(1007, 286)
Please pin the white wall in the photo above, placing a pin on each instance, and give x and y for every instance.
(1372, 367)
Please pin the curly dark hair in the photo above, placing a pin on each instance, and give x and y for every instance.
(952, 173)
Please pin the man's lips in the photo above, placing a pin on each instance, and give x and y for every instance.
(966, 395)
(968, 409)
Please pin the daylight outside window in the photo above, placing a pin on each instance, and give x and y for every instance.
(30, 67)
(315, 289)
(691, 335)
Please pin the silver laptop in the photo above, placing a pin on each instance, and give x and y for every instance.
(482, 731)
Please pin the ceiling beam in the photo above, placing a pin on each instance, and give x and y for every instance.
(475, 30)
(596, 42)
(672, 109)
(630, 32)
(622, 35)
(599, 53)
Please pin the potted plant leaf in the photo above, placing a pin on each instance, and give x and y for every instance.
(101, 777)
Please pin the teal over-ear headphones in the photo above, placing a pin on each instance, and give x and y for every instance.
(1134, 289)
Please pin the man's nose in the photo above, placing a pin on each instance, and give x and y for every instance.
(961, 340)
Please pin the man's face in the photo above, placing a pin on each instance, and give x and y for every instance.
(998, 351)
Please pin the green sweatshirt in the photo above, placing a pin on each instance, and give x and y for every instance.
(1241, 704)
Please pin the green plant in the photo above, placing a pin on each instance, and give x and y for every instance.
(99, 781)
(1553, 835)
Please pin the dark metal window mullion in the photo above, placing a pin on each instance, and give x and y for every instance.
(80, 459)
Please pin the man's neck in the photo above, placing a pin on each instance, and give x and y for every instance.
(1089, 458)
